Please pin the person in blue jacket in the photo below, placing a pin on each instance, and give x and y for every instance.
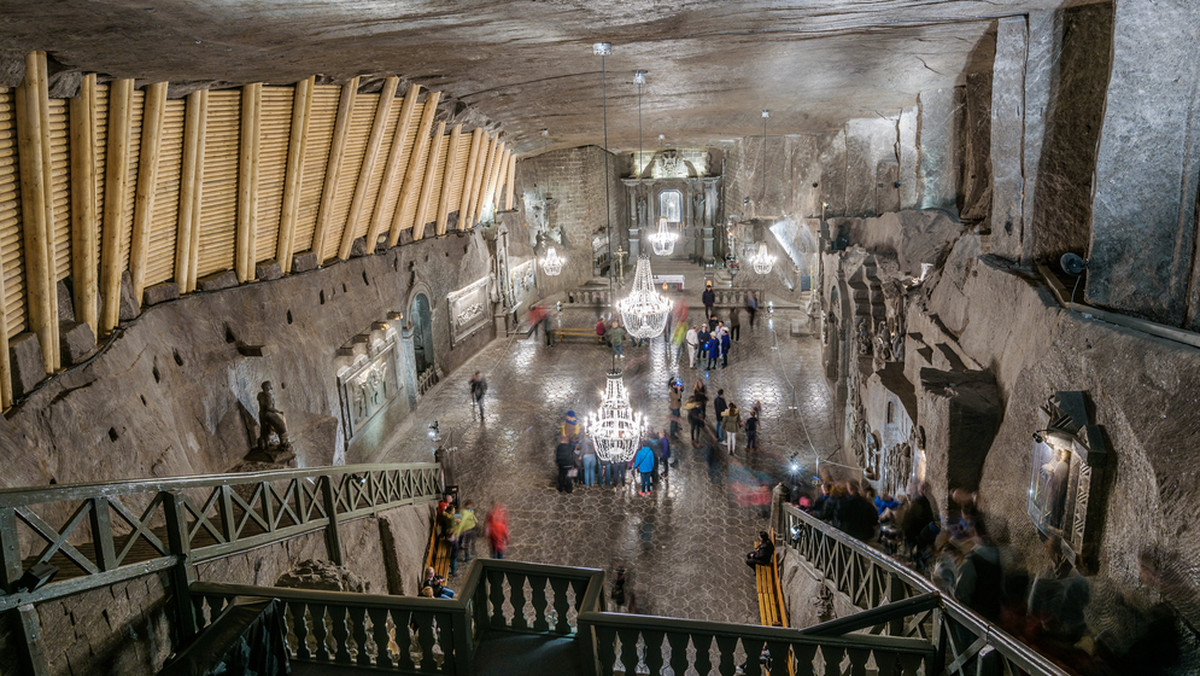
(643, 462)
(714, 352)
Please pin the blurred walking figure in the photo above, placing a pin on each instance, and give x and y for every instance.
(496, 527)
(540, 317)
(478, 389)
(751, 307)
(675, 403)
(587, 449)
(616, 336)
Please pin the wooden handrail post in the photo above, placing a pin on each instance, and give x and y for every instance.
(33, 658)
(333, 539)
(11, 566)
(102, 534)
(183, 574)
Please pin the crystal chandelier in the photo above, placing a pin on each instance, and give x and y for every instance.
(615, 428)
(644, 311)
(663, 241)
(552, 265)
(762, 260)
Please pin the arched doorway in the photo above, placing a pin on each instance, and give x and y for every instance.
(422, 322)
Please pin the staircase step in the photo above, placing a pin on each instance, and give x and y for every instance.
(504, 654)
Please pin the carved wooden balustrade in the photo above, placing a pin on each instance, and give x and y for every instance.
(99, 534)
(966, 643)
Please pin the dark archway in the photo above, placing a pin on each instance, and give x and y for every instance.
(422, 322)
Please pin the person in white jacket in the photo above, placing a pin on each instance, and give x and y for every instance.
(693, 342)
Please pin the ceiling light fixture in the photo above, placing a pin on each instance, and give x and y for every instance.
(552, 263)
(644, 311)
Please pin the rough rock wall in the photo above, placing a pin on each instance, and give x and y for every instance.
(168, 395)
(1142, 391)
(561, 200)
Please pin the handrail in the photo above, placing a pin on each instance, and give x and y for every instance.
(952, 615)
(12, 497)
(874, 616)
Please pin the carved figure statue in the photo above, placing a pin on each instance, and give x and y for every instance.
(270, 419)
(864, 337)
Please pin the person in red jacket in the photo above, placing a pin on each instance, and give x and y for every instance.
(496, 525)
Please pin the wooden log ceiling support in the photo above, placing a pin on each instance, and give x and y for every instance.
(510, 197)
(501, 177)
(247, 199)
(112, 234)
(333, 168)
(85, 224)
(190, 188)
(294, 172)
(392, 169)
(412, 175)
(464, 200)
(485, 169)
(435, 154)
(448, 179)
(489, 193)
(154, 110)
(357, 203)
(37, 207)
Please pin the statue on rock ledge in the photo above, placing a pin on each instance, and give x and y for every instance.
(271, 421)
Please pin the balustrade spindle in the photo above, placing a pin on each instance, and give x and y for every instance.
(727, 649)
(678, 642)
(833, 656)
(516, 582)
(495, 583)
(426, 638)
(379, 635)
(404, 639)
(561, 605)
(654, 653)
(341, 634)
(629, 649)
(320, 630)
(300, 628)
(358, 623)
(537, 597)
(753, 649)
(606, 639)
(703, 643)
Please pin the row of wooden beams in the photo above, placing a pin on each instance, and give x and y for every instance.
(443, 213)
(392, 170)
(464, 200)
(333, 167)
(247, 200)
(112, 234)
(435, 155)
(37, 207)
(85, 222)
(147, 182)
(187, 240)
(412, 175)
(489, 192)
(297, 147)
(367, 169)
(501, 176)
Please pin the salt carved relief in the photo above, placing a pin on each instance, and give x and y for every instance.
(468, 309)
(369, 385)
(523, 282)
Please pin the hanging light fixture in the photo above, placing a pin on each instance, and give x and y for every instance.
(663, 240)
(552, 263)
(644, 311)
(762, 260)
(616, 428)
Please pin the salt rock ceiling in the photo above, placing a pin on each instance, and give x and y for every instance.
(527, 67)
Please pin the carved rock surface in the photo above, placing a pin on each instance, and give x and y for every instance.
(77, 341)
(25, 360)
(322, 576)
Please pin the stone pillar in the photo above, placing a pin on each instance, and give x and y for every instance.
(906, 151)
(1008, 115)
(938, 170)
(1144, 204)
(407, 359)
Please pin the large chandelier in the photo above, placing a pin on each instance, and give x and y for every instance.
(663, 241)
(615, 428)
(644, 311)
(762, 260)
(552, 264)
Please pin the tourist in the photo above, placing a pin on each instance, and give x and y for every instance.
(665, 452)
(464, 535)
(725, 345)
(601, 328)
(702, 335)
(564, 457)
(735, 323)
(751, 307)
(764, 551)
(752, 431)
(733, 421)
(496, 528)
(478, 389)
(539, 317)
(719, 407)
(616, 338)
(884, 501)
(695, 416)
(857, 516)
(712, 455)
(714, 352)
(436, 584)
(692, 340)
(675, 403)
(708, 298)
(643, 462)
(981, 577)
(587, 450)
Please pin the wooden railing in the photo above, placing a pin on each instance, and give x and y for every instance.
(966, 643)
(102, 533)
(413, 634)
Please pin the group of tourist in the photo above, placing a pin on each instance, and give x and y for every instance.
(459, 527)
(727, 415)
(579, 465)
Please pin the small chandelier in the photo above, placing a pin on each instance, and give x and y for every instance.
(762, 260)
(552, 264)
(615, 428)
(663, 241)
(644, 311)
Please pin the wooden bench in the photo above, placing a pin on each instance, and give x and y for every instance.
(561, 333)
(770, 593)
(437, 555)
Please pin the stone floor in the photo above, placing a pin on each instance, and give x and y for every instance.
(684, 544)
